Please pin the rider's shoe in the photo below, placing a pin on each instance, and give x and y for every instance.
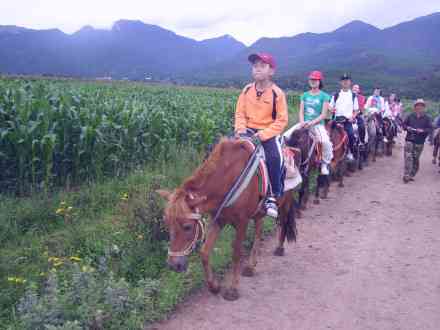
(271, 207)
(385, 140)
(324, 169)
(350, 157)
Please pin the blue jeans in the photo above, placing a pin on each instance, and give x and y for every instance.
(348, 127)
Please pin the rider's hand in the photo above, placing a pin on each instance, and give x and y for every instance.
(239, 133)
(419, 130)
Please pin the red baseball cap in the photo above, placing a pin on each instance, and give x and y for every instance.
(264, 57)
(316, 75)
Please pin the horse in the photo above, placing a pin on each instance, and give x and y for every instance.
(390, 131)
(436, 144)
(339, 139)
(374, 135)
(202, 194)
(303, 140)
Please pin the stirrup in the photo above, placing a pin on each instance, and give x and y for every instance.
(271, 207)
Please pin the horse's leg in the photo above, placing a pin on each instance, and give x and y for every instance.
(305, 196)
(249, 270)
(435, 152)
(326, 187)
(231, 292)
(205, 252)
(319, 179)
(340, 175)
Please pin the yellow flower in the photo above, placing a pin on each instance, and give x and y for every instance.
(59, 211)
(42, 274)
(16, 280)
(124, 197)
(140, 237)
(54, 259)
(87, 269)
(77, 259)
(58, 263)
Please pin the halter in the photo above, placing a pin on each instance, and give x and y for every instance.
(200, 229)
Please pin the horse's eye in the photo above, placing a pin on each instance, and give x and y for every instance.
(187, 227)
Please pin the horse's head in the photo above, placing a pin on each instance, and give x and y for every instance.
(298, 138)
(185, 225)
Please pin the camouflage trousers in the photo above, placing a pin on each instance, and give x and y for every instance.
(412, 154)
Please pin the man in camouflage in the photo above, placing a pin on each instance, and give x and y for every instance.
(418, 125)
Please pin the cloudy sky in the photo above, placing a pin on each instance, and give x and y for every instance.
(246, 20)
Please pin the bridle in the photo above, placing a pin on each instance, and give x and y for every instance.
(200, 231)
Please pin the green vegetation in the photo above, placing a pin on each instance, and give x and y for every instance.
(85, 246)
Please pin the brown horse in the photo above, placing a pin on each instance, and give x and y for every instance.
(339, 139)
(203, 193)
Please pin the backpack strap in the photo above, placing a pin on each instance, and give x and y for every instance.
(274, 105)
(274, 100)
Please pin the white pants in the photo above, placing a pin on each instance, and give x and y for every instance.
(322, 136)
(327, 148)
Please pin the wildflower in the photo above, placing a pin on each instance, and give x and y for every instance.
(16, 280)
(58, 263)
(140, 237)
(124, 197)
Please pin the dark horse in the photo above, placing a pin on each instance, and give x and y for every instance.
(339, 139)
(390, 132)
(436, 143)
(374, 135)
(203, 193)
(303, 140)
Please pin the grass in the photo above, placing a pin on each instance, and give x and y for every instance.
(102, 220)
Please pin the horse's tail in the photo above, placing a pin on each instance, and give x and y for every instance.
(289, 224)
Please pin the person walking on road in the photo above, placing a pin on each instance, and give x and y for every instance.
(418, 126)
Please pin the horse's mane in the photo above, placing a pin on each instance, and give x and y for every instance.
(207, 167)
(179, 205)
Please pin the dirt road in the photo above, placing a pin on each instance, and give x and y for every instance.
(366, 258)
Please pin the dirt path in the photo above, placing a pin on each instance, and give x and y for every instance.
(367, 258)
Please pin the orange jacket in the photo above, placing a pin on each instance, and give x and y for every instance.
(256, 112)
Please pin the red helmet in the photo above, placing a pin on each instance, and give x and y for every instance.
(316, 75)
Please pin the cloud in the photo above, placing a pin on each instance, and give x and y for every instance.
(246, 20)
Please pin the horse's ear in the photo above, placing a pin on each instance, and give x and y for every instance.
(194, 200)
(166, 194)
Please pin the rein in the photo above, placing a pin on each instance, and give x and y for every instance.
(340, 144)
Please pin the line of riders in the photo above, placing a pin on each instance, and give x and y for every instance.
(231, 186)
(370, 123)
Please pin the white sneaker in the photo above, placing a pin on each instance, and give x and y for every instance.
(271, 207)
(385, 140)
(350, 157)
(324, 169)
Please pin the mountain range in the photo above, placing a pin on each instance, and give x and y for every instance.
(404, 57)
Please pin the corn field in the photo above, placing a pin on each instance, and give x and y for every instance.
(63, 133)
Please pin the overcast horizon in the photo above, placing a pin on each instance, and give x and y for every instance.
(243, 20)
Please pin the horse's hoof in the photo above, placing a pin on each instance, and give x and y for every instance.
(230, 294)
(316, 201)
(214, 287)
(248, 271)
(279, 252)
